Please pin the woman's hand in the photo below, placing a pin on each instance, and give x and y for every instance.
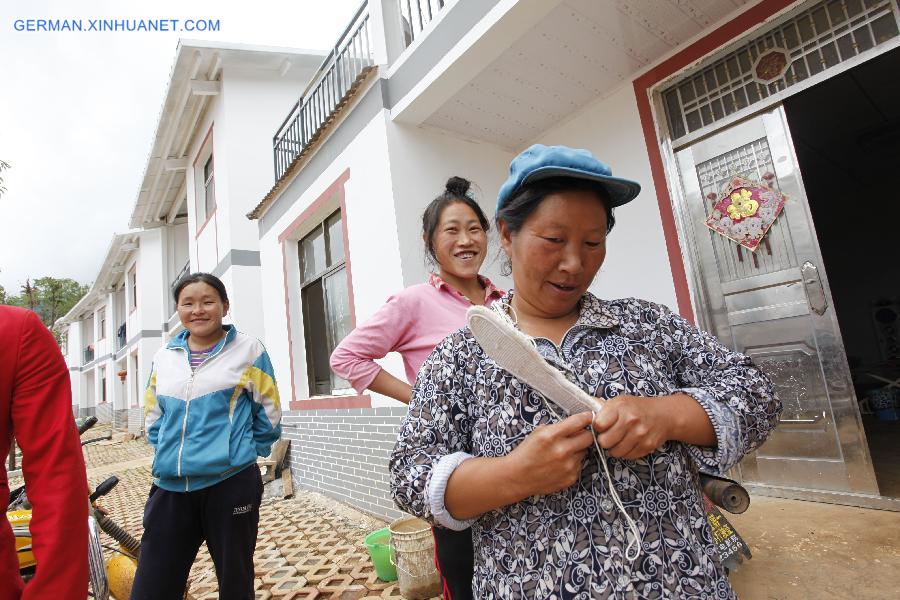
(631, 427)
(551, 457)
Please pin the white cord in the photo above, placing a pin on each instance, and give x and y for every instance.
(511, 319)
(632, 525)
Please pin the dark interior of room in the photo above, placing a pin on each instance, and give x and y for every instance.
(846, 132)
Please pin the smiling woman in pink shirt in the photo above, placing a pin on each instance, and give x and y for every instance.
(414, 321)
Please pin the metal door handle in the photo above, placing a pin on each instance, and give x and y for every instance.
(815, 293)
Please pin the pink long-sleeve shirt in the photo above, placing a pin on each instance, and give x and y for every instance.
(412, 323)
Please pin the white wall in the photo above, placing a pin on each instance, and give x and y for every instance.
(421, 162)
(373, 247)
(245, 298)
(637, 263)
(153, 289)
(74, 359)
(203, 247)
(255, 104)
(244, 117)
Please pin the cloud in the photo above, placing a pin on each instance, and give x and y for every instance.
(78, 113)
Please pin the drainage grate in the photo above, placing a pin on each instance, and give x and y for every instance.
(816, 39)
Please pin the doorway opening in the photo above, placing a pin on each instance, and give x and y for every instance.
(846, 133)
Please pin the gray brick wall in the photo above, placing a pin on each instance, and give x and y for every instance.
(120, 419)
(104, 413)
(344, 454)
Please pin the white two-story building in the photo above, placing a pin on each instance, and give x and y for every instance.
(114, 330)
(210, 160)
(678, 95)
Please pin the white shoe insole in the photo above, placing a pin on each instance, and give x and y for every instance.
(515, 353)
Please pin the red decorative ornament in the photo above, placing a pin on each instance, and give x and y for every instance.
(745, 212)
(771, 65)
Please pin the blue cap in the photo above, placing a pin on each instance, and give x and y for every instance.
(542, 162)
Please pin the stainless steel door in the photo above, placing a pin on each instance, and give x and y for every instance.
(775, 305)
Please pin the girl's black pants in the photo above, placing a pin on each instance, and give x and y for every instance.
(224, 515)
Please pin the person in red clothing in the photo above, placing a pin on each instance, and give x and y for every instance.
(36, 406)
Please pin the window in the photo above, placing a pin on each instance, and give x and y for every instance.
(209, 188)
(132, 284)
(326, 301)
(101, 319)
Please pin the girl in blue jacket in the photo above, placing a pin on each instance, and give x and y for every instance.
(211, 407)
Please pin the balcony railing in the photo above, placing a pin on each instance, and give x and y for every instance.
(341, 71)
(415, 15)
(184, 271)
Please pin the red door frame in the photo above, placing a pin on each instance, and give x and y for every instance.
(733, 30)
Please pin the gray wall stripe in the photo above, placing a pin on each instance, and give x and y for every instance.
(237, 258)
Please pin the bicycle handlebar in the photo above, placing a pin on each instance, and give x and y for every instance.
(105, 487)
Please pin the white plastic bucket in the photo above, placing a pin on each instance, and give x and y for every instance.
(413, 544)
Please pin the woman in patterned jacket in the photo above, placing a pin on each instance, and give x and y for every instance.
(480, 448)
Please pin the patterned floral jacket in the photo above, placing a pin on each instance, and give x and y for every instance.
(571, 544)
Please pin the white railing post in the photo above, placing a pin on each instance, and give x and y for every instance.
(387, 31)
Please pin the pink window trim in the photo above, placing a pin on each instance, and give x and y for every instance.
(321, 402)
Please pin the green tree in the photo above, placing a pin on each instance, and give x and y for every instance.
(49, 297)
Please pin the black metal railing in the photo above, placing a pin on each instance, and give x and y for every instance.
(350, 58)
(184, 271)
(415, 15)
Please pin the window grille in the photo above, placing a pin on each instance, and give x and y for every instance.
(820, 37)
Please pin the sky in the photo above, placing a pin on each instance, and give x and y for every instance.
(78, 112)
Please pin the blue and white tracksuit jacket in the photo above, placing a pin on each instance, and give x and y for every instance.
(208, 424)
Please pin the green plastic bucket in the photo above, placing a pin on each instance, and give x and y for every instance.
(379, 546)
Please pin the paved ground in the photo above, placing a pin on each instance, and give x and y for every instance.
(312, 547)
(309, 547)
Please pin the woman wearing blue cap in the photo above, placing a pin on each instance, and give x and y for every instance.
(552, 517)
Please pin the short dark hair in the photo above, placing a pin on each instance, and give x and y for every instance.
(528, 197)
(455, 190)
(206, 278)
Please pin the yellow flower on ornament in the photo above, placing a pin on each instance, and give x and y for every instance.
(742, 205)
